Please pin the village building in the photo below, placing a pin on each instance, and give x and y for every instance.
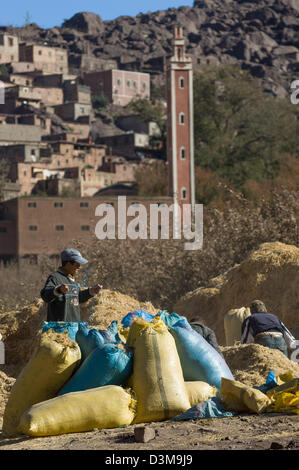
(19, 134)
(133, 122)
(46, 59)
(119, 86)
(9, 48)
(127, 145)
(32, 227)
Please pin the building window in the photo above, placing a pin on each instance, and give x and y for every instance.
(3, 230)
(58, 204)
(33, 228)
(59, 228)
(129, 83)
(182, 118)
(118, 82)
(183, 153)
(40, 52)
(135, 84)
(85, 228)
(31, 204)
(83, 204)
(12, 57)
(182, 82)
(144, 86)
(10, 42)
(184, 193)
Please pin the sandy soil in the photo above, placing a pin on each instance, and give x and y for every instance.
(242, 432)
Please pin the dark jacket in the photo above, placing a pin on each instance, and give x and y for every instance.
(63, 307)
(208, 334)
(259, 323)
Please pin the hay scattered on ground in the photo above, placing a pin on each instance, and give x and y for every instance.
(6, 383)
(251, 363)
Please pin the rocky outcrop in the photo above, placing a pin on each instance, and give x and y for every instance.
(260, 36)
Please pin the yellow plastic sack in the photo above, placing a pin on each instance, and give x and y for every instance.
(239, 397)
(199, 392)
(103, 407)
(158, 381)
(232, 324)
(285, 397)
(49, 368)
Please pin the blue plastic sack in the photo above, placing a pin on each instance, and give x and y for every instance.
(271, 382)
(91, 338)
(170, 319)
(140, 313)
(210, 408)
(199, 360)
(109, 364)
(61, 326)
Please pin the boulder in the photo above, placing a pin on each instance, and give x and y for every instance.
(271, 274)
(86, 22)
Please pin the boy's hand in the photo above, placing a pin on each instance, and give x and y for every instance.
(95, 289)
(63, 289)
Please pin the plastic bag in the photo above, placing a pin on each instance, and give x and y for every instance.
(109, 364)
(91, 338)
(61, 326)
(210, 408)
(157, 374)
(170, 319)
(51, 365)
(102, 408)
(285, 397)
(199, 360)
(128, 320)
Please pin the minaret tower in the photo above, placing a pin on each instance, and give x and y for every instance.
(180, 139)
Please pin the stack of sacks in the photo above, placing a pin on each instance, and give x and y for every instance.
(169, 367)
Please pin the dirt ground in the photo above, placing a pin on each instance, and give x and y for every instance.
(242, 432)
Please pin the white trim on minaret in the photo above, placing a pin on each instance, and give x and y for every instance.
(192, 172)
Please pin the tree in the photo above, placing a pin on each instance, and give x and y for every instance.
(4, 168)
(152, 179)
(239, 130)
(99, 101)
(153, 111)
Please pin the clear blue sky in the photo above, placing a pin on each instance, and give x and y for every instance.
(53, 12)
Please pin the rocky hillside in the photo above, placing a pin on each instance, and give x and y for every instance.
(258, 35)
